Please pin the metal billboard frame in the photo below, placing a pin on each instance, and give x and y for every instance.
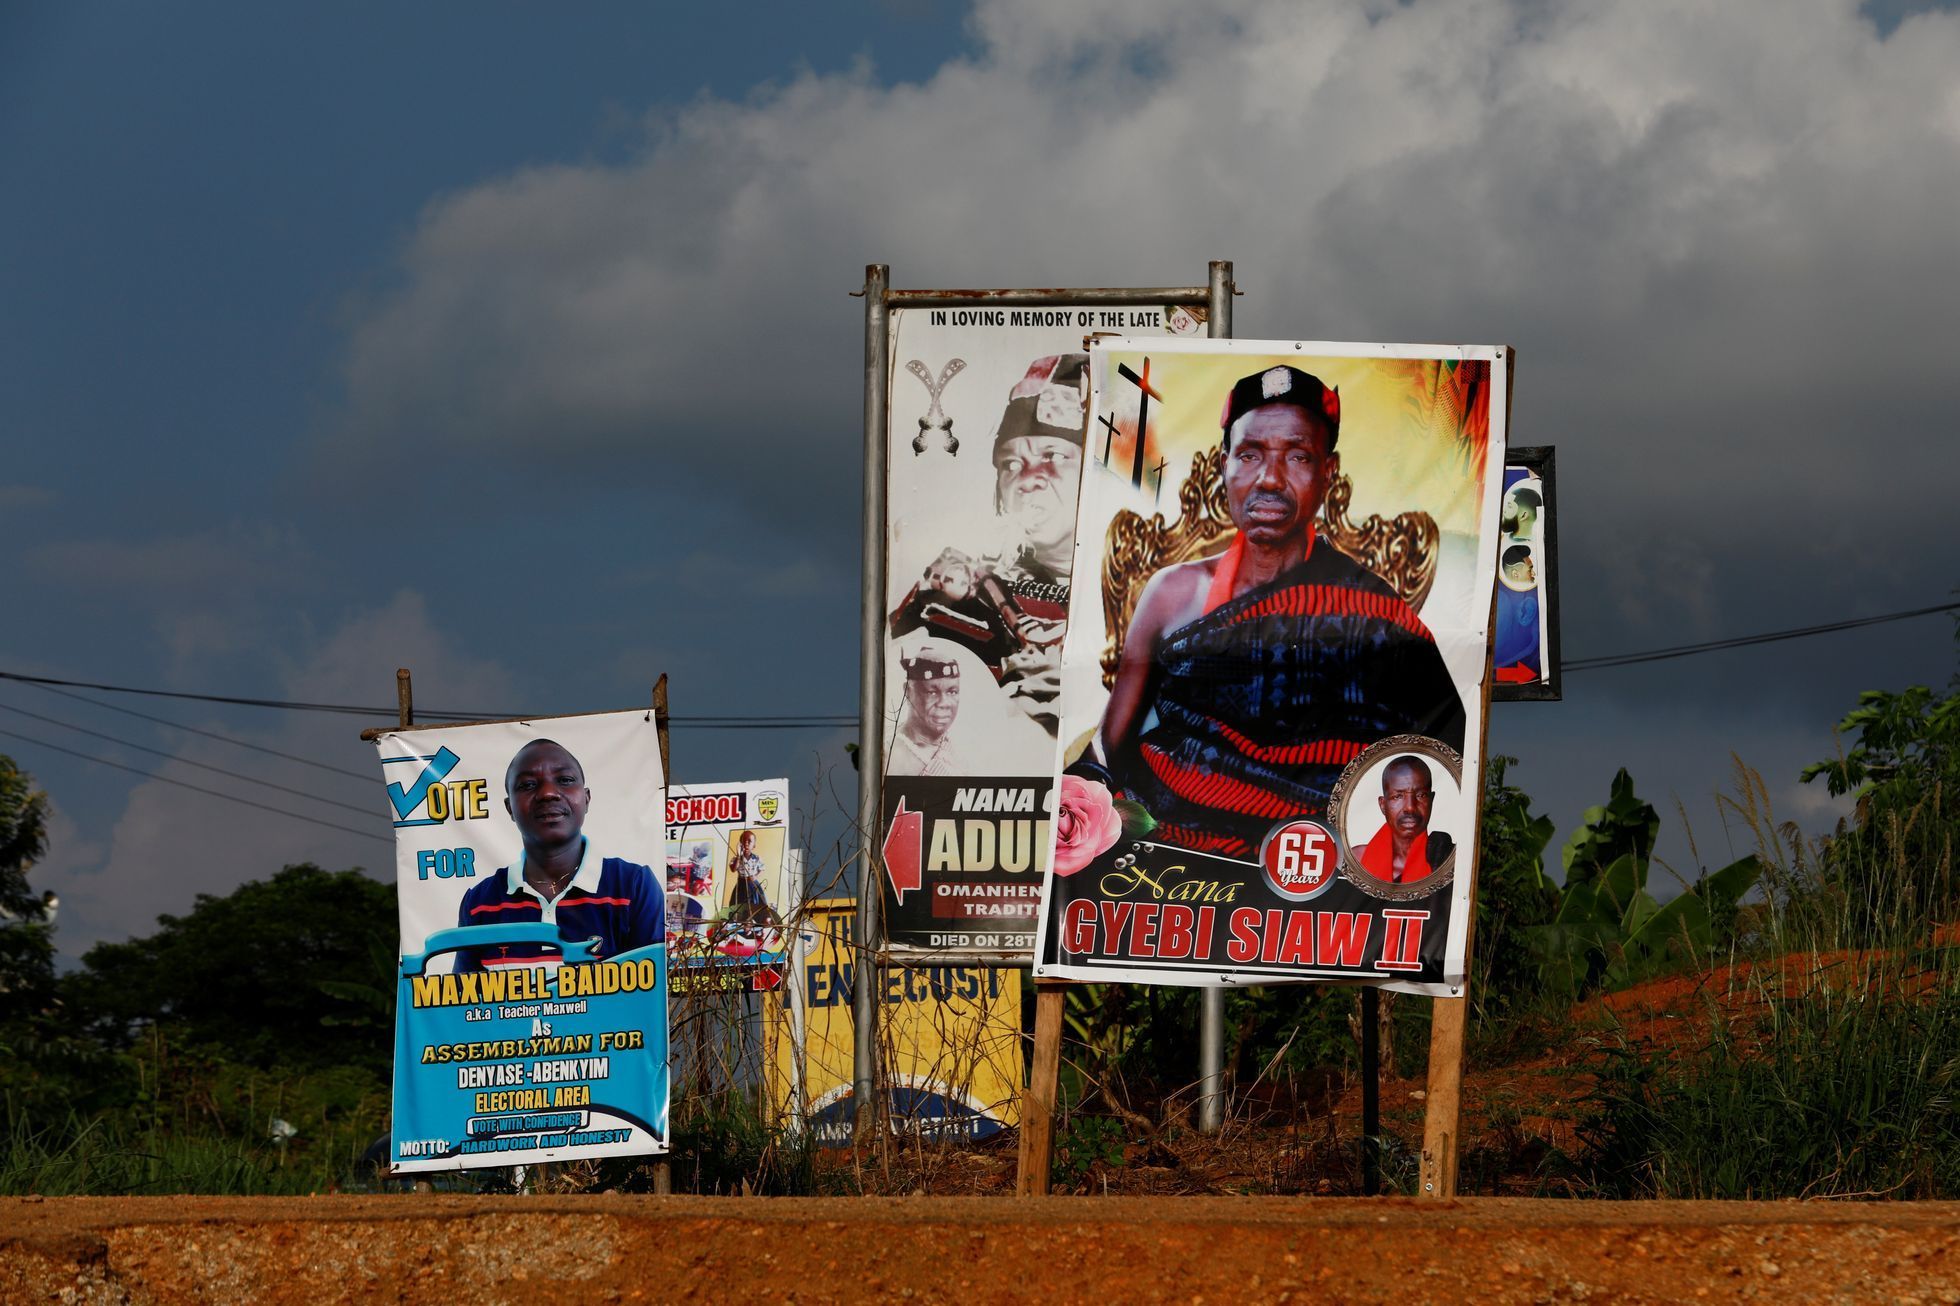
(1215, 296)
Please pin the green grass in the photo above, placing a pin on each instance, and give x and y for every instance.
(106, 1157)
(1839, 1084)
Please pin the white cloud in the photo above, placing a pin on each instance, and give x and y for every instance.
(170, 844)
(1719, 236)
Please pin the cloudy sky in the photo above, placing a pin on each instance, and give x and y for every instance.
(330, 343)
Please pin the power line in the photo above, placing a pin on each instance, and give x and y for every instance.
(208, 734)
(183, 784)
(719, 721)
(202, 766)
(1744, 641)
(838, 720)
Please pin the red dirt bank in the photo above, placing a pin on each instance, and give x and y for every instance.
(461, 1250)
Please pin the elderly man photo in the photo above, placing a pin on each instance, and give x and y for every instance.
(932, 704)
(1405, 848)
(1248, 680)
(560, 878)
(1009, 606)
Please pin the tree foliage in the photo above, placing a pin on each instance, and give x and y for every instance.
(1514, 895)
(1610, 930)
(282, 971)
(1894, 857)
(26, 943)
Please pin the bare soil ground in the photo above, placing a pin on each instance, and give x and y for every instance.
(461, 1250)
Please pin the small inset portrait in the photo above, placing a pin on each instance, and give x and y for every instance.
(1400, 811)
(1517, 568)
(921, 745)
(1523, 503)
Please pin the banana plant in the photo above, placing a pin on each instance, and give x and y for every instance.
(1610, 931)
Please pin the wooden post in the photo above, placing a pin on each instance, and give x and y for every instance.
(405, 717)
(1038, 1103)
(663, 1169)
(1445, 1099)
(1371, 1077)
(1443, 1103)
(660, 720)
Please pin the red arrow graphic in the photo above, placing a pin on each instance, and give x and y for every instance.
(905, 849)
(765, 979)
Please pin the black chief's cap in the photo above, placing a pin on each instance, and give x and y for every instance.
(929, 663)
(1052, 399)
(1285, 385)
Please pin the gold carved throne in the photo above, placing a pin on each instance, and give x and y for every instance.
(1402, 551)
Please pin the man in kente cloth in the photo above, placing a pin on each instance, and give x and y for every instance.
(1272, 665)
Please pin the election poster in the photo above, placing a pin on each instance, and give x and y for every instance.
(949, 1042)
(728, 890)
(989, 431)
(1269, 753)
(531, 1005)
(1524, 642)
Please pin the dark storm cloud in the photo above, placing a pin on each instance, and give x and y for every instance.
(1719, 237)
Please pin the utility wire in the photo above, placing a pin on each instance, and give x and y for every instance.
(721, 721)
(183, 784)
(215, 770)
(838, 720)
(209, 734)
(1744, 641)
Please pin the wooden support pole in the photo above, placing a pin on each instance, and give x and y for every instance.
(1371, 1084)
(660, 726)
(1038, 1103)
(404, 697)
(663, 1169)
(1443, 1103)
(1445, 1099)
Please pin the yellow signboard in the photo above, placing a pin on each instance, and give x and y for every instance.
(950, 1043)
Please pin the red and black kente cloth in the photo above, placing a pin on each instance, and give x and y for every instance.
(1263, 700)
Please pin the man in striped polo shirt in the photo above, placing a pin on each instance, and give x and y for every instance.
(560, 878)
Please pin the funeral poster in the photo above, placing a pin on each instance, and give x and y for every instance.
(531, 1005)
(989, 431)
(1524, 642)
(1268, 756)
(728, 892)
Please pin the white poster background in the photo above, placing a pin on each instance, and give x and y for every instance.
(619, 753)
(972, 359)
(1457, 610)
(940, 499)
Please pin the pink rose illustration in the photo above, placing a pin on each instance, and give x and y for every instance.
(1086, 824)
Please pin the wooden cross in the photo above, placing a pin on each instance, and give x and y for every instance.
(1143, 415)
(1159, 469)
(1109, 438)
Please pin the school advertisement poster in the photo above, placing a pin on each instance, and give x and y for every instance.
(531, 1007)
(989, 432)
(727, 888)
(949, 1040)
(1269, 753)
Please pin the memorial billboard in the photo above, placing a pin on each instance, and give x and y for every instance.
(988, 433)
(1269, 754)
